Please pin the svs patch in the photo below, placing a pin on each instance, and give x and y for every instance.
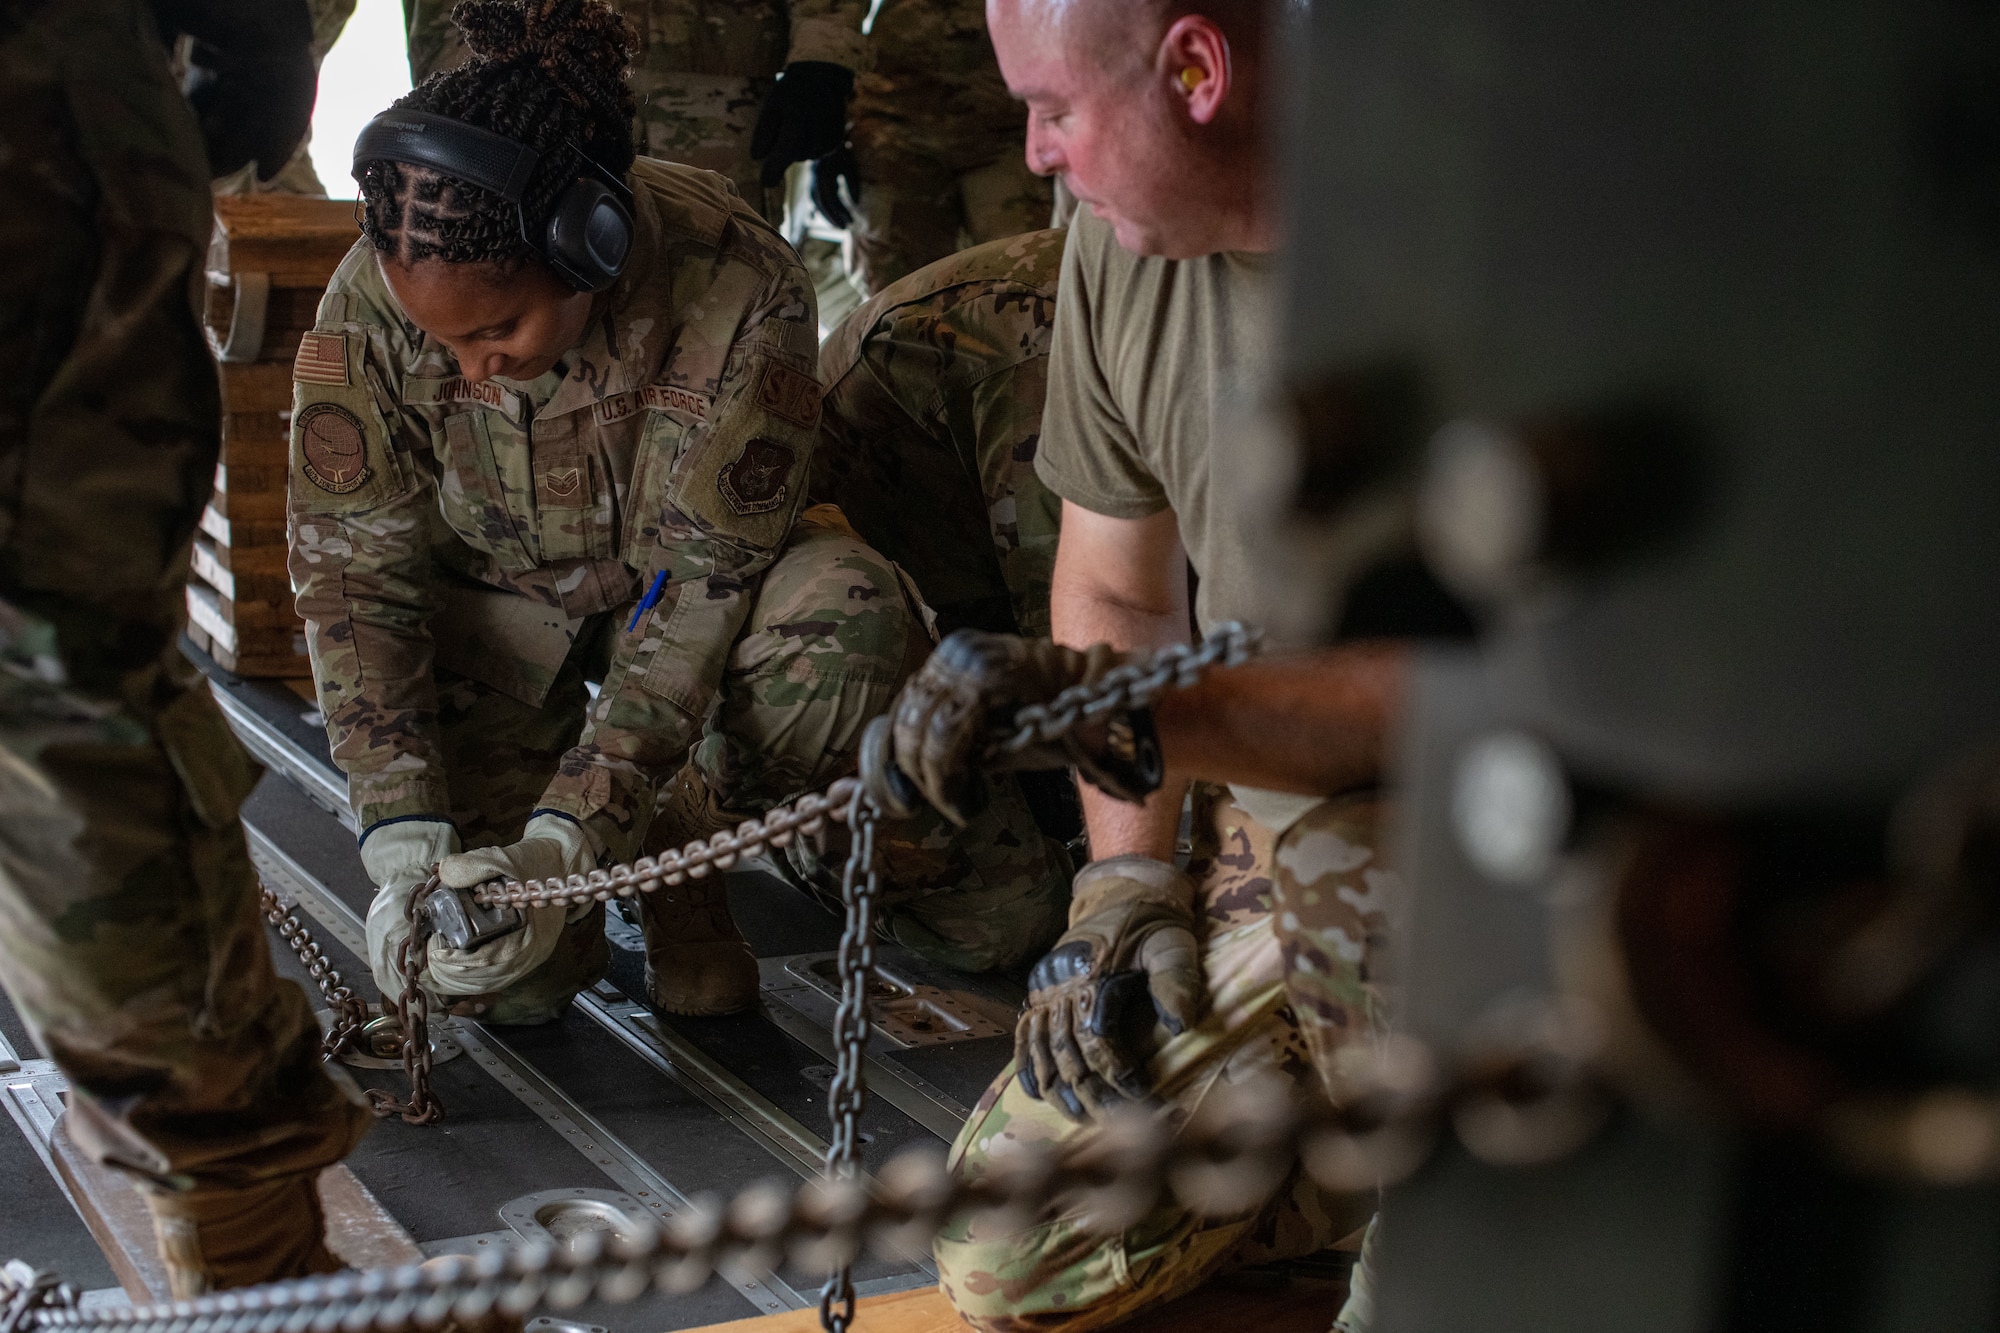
(790, 394)
(334, 448)
(755, 482)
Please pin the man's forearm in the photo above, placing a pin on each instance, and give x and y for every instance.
(1317, 724)
(1080, 618)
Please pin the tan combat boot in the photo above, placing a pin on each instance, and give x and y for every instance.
(212, 1239)
(697, 961)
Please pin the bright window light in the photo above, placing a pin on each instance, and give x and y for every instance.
(368, 68)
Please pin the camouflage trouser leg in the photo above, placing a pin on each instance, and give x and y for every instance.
(907, 215)
(705, 120)
(1331, 899)
(1054, 1274)
(130, 939)
(1004, 198)
(918, 206)
(135, 950)
(830, 640)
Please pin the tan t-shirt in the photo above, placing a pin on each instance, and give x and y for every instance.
(1154, 365)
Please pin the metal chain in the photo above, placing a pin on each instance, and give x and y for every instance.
(848, 1096)
(1131, 686)
(23, 1291)
(350, 1013)
(1134, 685)
(413, 1017)
(1529, 1108)
(805, 817)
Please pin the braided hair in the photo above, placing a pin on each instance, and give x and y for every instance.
(546, 73)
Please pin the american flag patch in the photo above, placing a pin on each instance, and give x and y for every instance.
(322, 359)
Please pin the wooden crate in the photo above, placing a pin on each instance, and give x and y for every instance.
(268, 265)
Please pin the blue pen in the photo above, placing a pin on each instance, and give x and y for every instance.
(649, 601)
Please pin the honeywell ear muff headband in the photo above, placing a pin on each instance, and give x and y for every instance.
(589, 233)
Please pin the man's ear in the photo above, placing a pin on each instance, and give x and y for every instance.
(1194, 55)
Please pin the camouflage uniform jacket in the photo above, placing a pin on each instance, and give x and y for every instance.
(934, 393)
(674, 440)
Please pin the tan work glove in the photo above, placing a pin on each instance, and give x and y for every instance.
(1128, 961)
(399, 857)
(938, 736)
(551, 847)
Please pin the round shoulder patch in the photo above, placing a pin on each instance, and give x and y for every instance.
(334, 448)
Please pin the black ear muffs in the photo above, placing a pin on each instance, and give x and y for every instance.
(590, 235)
(588, 238)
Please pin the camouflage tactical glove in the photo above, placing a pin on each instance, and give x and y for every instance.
(551, 847)
(805, 117)
(939, 733)
(399, 856)
(1129, 958)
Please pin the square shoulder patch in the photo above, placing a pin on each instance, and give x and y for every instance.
(788, 393)
(754, 481)
(322, 359)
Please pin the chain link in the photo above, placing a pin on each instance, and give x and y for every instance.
(413, 1017)
(1134, 685)
(1129, 687)
(350, 1013)
(848, 1095)
(24, 1291)
(805, 817)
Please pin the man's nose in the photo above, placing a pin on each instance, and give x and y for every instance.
(1043, 154)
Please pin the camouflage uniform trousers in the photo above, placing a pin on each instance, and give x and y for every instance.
(829, 640)
(701, 73)
(1291, 924)
(938, 141)
(129, 934)
(920, 203)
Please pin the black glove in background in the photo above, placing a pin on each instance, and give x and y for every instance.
(805, 116)
(250, 78)
(250, 106)
(829, 173)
